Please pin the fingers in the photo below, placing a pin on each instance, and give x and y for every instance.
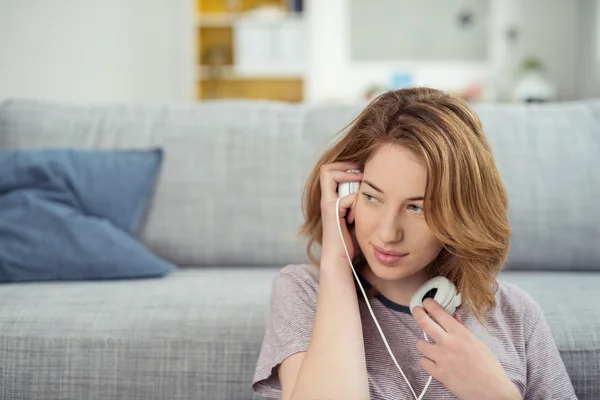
(334, 178)
(352, 232)
(459, 319)
(340, 166)
(429, 350)
(350, 217)
(429, 326)
(440, 315)
(429, 366)
(347, 203)
(332, 175)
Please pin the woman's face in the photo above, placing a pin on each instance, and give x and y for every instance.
(390, 227)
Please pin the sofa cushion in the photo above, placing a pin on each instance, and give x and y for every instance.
(70, 215)
(570, 305)
(548, 156)
(196, 333)
(231, 187)
(231, 182)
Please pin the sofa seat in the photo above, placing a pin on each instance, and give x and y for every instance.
(570, 304)
(196, 333)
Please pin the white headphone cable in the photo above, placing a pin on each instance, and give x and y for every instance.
(387, 346)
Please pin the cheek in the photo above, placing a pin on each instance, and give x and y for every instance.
(430, 245)
(364, 223)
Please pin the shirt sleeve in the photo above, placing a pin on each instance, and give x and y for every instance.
(289, 326)
(547, 377)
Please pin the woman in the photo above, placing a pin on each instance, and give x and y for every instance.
(431, 202)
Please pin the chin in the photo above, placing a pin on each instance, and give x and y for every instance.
(390, 273)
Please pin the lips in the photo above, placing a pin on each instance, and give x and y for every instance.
(387, 257)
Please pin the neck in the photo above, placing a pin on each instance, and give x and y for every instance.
(399, 291)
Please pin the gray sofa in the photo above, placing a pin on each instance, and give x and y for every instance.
(226, 210)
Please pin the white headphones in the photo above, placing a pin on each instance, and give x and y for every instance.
(442, 290)
(439, 288)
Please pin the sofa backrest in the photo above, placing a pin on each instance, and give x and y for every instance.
(229, 192)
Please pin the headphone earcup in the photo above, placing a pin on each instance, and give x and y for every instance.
(442, 290)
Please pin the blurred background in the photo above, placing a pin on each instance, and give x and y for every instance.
(298, 50)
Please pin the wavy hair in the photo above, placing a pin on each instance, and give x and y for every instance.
(465, 203)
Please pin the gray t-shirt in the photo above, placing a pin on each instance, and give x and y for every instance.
(517, 334)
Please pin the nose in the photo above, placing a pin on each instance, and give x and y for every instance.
(390, 229)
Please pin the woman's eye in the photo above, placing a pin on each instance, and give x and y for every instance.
(369, 198)
(415, 208)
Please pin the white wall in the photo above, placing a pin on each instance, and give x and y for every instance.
(551, 31)
(333, 76)
(588, 60)
(95, 51)
(142, 50)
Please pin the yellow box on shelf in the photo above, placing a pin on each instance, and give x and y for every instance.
(215, 45)
(234, 6)
(230, 59)
(286, 89)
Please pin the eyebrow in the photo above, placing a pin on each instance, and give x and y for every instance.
(415, 198)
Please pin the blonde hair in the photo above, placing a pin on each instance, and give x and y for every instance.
(465, 202)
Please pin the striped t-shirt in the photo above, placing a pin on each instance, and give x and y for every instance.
(517, 334)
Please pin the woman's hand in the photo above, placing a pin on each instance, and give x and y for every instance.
(458, 359)
(331, 176)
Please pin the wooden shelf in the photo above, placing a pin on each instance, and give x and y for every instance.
(215, 42)
(228, 6)
(231, 72)
(228, 19)
(268, 89)
(215, 25)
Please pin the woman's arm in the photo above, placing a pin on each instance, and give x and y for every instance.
(334, 365)
(288, 374)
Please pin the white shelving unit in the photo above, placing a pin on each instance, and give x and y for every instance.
(259, 47)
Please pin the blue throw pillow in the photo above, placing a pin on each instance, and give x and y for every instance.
(72, 214)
